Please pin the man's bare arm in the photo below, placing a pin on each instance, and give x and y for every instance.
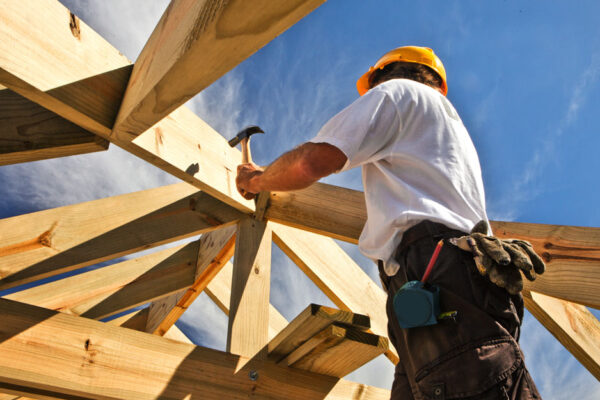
(296, 169)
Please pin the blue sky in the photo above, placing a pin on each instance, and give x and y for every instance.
(524, 76)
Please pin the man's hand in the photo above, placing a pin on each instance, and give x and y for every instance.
(246, 180)
(502, 260)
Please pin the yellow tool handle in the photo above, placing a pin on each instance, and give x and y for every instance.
(246, 157)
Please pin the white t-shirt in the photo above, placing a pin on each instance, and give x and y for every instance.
(418, 163)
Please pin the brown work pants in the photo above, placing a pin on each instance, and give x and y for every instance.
(476, 357)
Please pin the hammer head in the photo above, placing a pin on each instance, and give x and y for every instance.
(245, 133)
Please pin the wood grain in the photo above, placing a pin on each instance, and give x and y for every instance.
(308, 323)
(248, 328)
(109, 290)
(572, 254)
(53, 354)
(337, 351)
(214, 250)
(83, 78)
(29, 132)
(219, 291)
(337, 275)
(193, 44)
(573, 325)
(46, 243)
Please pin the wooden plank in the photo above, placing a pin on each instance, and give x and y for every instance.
(329, 210)
(573, 325)
(109, 290)
(572, 257)
(49, 242)
(29, 132)
(308, 323)
(214, 250)
(337, 351)
(60, 355)
(248, 328)
(82, 78)
(219, 291)
(337, 275)
(137, 321)
(572, 253)
(42, 57)
(193, 44)
(174, 333)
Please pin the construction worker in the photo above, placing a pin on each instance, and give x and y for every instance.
(423, 183)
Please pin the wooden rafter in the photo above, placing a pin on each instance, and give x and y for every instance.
(337, 275)
(29, 132)
(109, 290)
(69, 71)
(216, 35)
(82, 78)
(573, 325)
(572, 254)
(52, 354)
(49, 242)
(214, 250)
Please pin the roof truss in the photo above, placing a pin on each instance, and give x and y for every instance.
(60, 68)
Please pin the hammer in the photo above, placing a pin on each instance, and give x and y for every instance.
(243, 137)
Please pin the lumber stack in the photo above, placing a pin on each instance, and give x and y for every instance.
(327, 341)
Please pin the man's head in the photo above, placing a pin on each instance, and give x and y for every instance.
(410, 62)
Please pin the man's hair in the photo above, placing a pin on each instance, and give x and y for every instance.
(400, 69)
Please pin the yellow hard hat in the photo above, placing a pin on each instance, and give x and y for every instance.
(412, 54)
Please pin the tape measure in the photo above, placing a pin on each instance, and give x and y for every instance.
(417, 303)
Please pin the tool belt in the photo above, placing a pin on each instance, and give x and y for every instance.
(453, 360)
(426, 229)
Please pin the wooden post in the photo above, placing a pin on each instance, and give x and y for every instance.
(248, 329)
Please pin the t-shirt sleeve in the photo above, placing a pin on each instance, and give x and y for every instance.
(363, 130)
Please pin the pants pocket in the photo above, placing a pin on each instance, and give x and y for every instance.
(469, 370)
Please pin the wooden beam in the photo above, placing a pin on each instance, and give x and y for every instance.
(29, 132)
(337, 275)
(307, 324)
(195, 43)
(219, 291)
(572, 256)
(214, 250)
(49, 242)
(573, 325)
(52, 354)
(248, 329)
(137, 321)
(82, 78)
(329, 210)
(337, 350)
(109, 290)
(572, 253)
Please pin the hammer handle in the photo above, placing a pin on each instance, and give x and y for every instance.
(246, 157)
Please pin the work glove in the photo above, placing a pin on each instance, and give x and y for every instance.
(501, 260)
